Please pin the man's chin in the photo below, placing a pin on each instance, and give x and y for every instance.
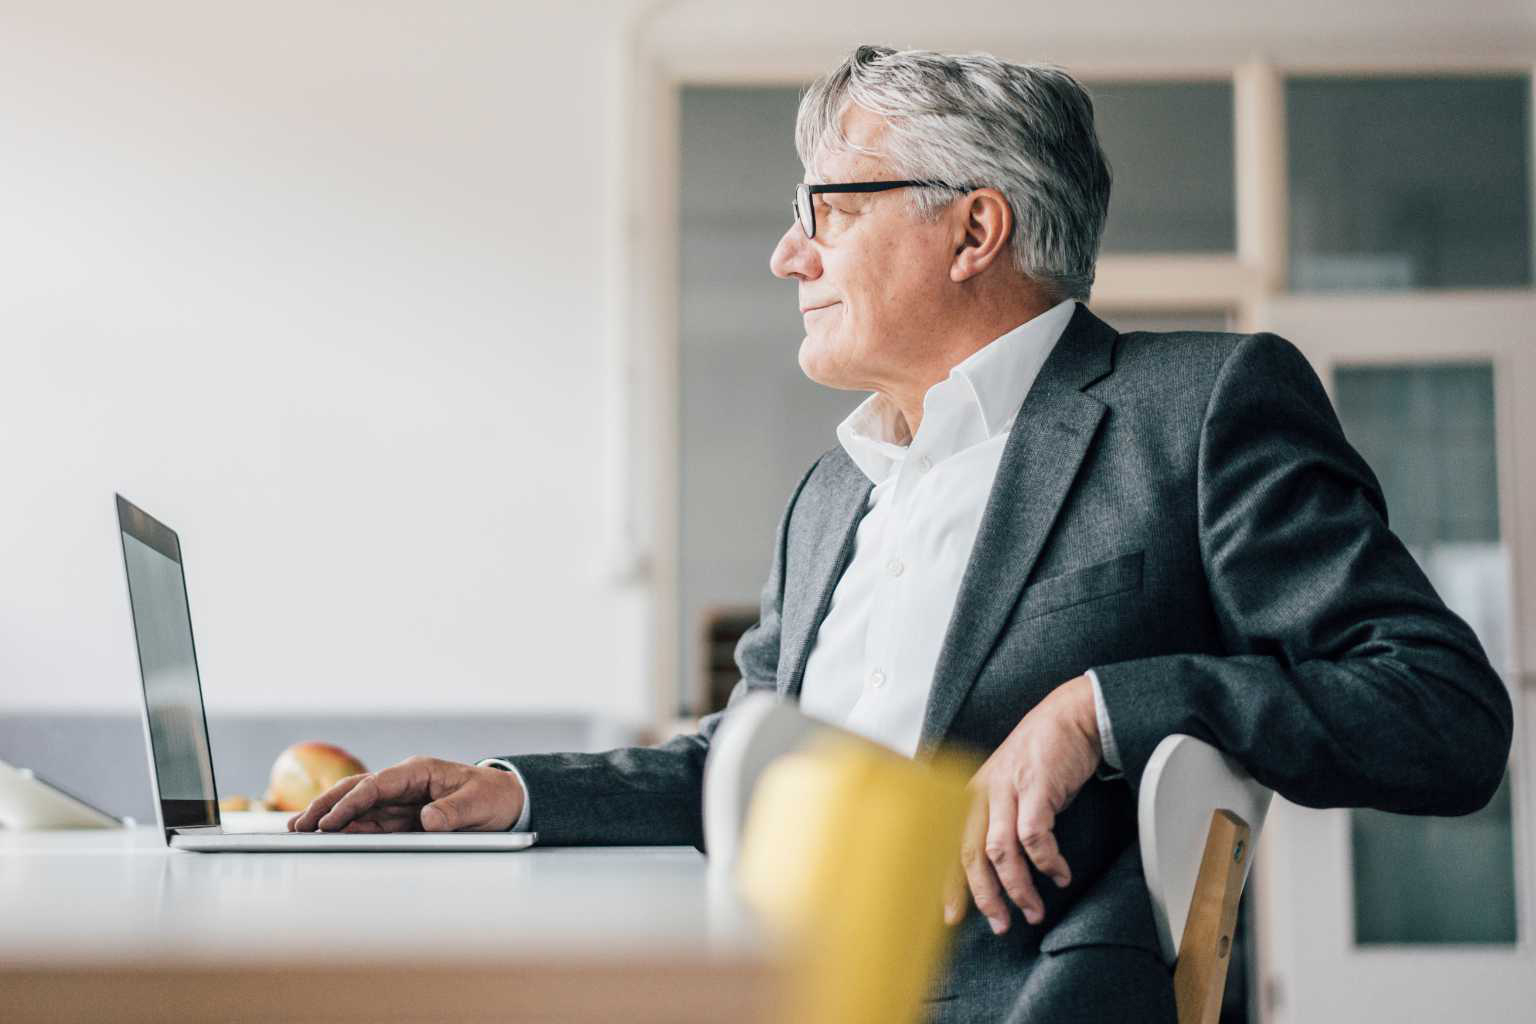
(816, 365)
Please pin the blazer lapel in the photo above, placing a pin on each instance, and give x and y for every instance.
(839, 505)
(1052, 433)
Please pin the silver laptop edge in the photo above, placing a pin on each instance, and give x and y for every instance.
(211, 837)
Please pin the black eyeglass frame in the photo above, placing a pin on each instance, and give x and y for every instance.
(805, 208)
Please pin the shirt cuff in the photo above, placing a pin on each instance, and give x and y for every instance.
(1106, 733)
(521, 824)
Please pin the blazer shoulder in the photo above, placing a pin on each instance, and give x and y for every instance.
(1168, 356)
(1196, 361)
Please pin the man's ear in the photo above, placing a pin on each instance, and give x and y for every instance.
(983, 227)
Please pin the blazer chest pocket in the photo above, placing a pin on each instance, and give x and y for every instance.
(1114, 576)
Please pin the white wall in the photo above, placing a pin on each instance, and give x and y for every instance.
(320, 285)
(329, 286)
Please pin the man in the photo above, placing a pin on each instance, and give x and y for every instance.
(1041, 540)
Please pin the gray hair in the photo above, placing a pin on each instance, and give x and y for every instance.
(973, 120)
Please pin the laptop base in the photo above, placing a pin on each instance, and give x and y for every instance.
(212, 841)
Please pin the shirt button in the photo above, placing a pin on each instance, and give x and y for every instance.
(925, 463)
(877, 679)
(894, 567)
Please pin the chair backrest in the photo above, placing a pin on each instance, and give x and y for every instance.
(1199, 817)
(1185, 782)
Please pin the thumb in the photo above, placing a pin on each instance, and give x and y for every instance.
(954, 895)
(445, 814)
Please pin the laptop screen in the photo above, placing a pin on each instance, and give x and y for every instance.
(173, 696)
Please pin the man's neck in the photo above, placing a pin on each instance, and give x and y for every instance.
(957, 345)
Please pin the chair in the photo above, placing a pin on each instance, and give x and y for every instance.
(1199, 816)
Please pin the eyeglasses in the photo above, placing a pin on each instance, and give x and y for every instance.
(805, 208)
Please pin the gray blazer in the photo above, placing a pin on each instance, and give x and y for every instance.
(1182, 513)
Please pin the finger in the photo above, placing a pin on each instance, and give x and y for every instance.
(378, 823)
(410, 779)
(954, 895)
(361, 797)
(363, 825)
(1007, 858)
(958, 885)
(390, 819)
(308, 819)
(1036, 835)
(305, 820)
(979, 874)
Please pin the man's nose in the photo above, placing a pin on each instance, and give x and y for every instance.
(794, 256)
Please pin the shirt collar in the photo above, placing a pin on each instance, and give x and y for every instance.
(1002, 373)
(997, 377)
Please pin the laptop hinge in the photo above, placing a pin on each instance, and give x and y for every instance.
(195, 830)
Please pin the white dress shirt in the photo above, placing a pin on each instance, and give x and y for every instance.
(871, 667)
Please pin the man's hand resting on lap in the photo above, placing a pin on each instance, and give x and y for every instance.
(1019, 790)
(420, 794)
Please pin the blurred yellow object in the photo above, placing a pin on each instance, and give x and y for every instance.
(847, 850)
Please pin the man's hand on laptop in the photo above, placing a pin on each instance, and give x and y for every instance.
(420, 794)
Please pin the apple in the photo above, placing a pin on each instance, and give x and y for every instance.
(304, 771)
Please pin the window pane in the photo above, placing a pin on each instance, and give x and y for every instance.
(1169, 146)
(1435, 880)
(1409, 182)
(1428, 433)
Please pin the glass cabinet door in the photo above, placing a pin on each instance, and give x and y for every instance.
(1428, 431)
(1376, 916)
(1409, 182)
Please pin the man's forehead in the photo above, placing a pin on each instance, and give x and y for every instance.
(845, 166)
(836, 162)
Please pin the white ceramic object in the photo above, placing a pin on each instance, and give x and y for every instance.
(759, 729)
(28, 802)
(1185, 780)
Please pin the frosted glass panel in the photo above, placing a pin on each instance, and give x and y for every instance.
(1428, 432)
(1169, 146)
(1435, 880)
(1400, 182)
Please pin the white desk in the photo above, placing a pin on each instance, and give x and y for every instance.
(112, 925)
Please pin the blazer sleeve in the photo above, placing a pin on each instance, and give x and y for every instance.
(1347, 681)
(644, 796)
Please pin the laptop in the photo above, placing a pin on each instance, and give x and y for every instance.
(176, 727)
